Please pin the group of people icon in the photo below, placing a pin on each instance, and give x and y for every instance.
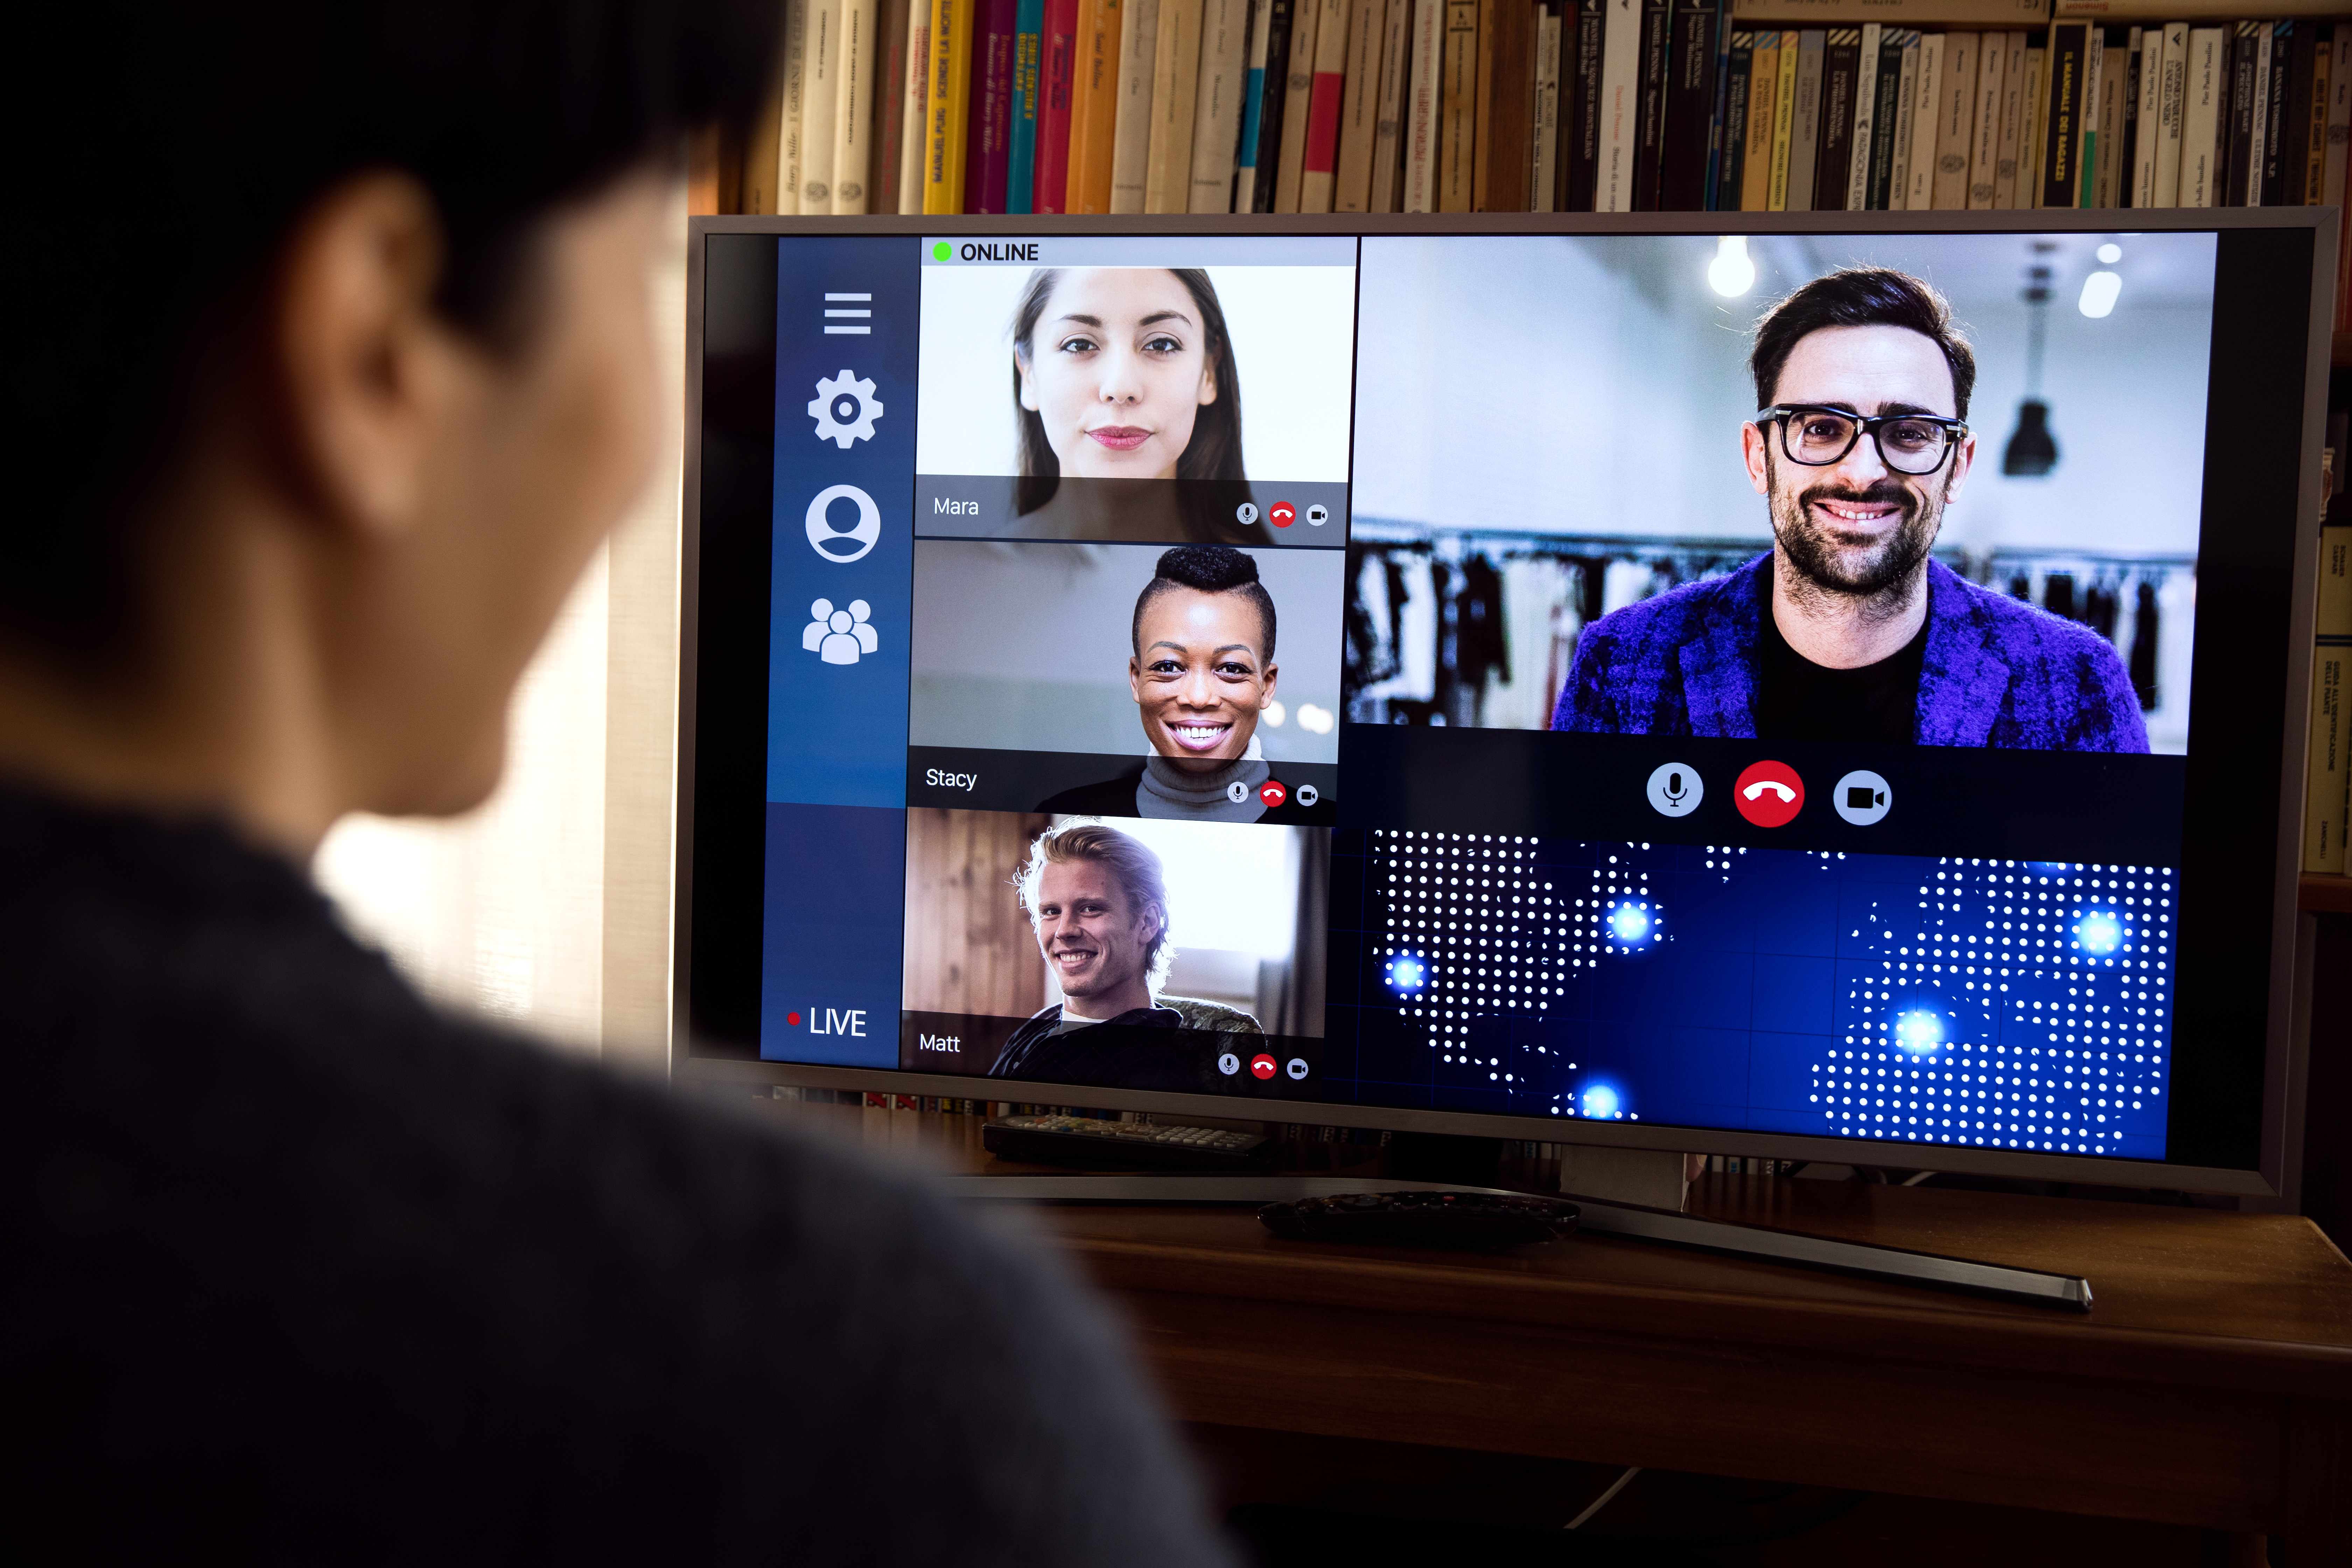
(839, 636)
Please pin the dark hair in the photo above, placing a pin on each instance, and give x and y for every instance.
(1215, 450)
(221, 125)
(1861, 297)
(1206, 569)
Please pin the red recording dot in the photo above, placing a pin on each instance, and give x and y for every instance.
(793, 1018)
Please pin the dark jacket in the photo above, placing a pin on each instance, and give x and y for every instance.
(301, 1269)
(1174, 1045)
(1998, 672)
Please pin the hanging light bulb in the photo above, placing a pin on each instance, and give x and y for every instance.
(1731, 273)
(2099, 293)
(2033, 451)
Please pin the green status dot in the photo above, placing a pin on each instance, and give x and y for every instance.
(941, 251)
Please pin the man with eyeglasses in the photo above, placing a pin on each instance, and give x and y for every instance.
(1847, 629)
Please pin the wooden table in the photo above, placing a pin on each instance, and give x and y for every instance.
(2210, 1386)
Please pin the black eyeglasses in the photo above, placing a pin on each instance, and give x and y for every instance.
(1817, 437)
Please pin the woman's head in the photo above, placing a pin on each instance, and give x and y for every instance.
(317, 471)
(1125, 373)
(1203, 668)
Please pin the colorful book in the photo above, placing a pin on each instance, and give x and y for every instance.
(1217, 104)
(1093, 105)
(948, 110)
(1297, 100)
(1543, 155)
(1425, 98)
(1955, 121)
(1138, 42)
(1284, 15)
(1175, 98)
(1615, 181)
(1690, 108)
(1360, 107)
(1784, 123)
(988, 132)
(1841, 68)
(1756, 139)
(1057, 97)
(1649, 142)
(1388, 139)
(1028, 88)
(1253, 107)
(2328, 755)
(853, 106)
(1457, 143)
(1319, 167)
(1505, 105)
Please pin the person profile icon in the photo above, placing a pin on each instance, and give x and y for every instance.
(840, 636)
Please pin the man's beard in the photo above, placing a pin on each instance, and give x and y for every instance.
(1821, 561)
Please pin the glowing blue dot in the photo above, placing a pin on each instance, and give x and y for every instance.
(1406, 974)
(1630, 922)
(1600, 1101)
(1919, 1031)
(2100, 932)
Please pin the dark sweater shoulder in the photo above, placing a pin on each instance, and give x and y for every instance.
(323, 1272)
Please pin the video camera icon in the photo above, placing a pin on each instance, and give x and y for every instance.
(1864, 798)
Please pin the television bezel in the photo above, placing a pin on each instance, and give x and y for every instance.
(2286, 1024)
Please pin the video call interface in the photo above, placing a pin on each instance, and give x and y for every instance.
(1490, 674)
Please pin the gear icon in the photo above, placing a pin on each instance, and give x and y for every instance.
(845, 409)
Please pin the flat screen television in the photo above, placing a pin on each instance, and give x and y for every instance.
(1825, 687)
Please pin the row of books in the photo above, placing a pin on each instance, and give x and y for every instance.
(1282, 106)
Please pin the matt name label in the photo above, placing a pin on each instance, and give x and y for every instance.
(939, 1042)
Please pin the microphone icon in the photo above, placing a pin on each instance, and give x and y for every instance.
(1675, 789)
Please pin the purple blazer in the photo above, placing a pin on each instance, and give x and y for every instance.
(1998, 672)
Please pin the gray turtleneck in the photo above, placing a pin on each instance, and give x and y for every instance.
(1167, 789)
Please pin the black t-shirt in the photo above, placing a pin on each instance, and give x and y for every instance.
(1797, 699)
(303, 1270)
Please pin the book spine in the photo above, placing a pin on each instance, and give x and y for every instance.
(1543, 177)
(1458, 108)
(1058, 96)
(1763, 92)
(1425, 99)
(2339, 120)
(1270, 121)
(791, 91)
(2032, 112)
(1388, 132)
(1298, 99)
(2328, 757)
(1886, 118)
(1585, 122)
(2289, 138)
(1737, 116)
(2104, 120)
(1175, 105)
(1919, 146)
(1805, 121)
(2239, 124)
(989, 126)
(1784, 122)
(1093, 105)
(1955, 121)
(2206, 61)
(1620, 108)
(1217, 103)
(852, 110)
(895, 48)
(1716, 121)
(947, 107)
(2321, 40)
(1139, 43)
(1253, 107)
(1360, 107)
(2149, 132)
(1020, 133)
(1984, 130)
(2127, 184)
(1866, 112)
(2171, 58)
(820, 104)
(1499, 180)
(1907, 121)
(1690, 105)
(2086, 134)
(1841, 60)
(1649, 136)
(1318, 173)
(2063, 142)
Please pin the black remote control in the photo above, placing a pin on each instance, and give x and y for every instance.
(1121, 1145)
(1471, 1221)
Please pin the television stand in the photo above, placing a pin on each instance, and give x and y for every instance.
(1633, 1222)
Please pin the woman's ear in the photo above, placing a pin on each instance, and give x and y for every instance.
(1135, 679)
(1028, 383)
(1208, 382)
(1273, 673)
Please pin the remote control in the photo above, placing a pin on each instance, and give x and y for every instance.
(1472, 1221)
(1121, 1145)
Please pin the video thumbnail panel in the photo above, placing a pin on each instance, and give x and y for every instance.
(1145, 389)
(1134, 953)
(1604, 564)
(2010, 1003)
